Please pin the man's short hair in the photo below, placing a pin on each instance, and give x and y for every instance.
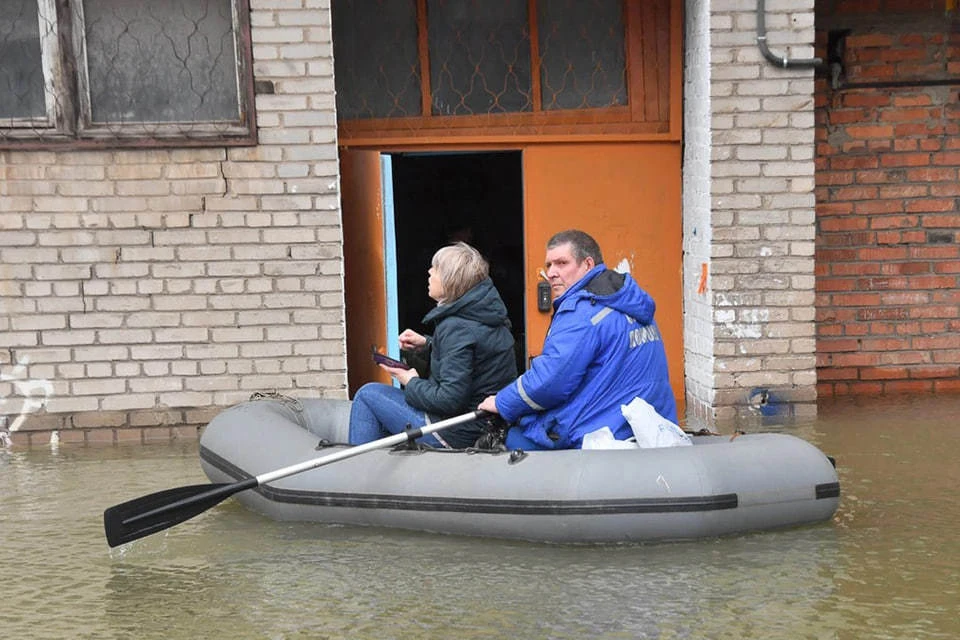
(583, 245)
(461, 267)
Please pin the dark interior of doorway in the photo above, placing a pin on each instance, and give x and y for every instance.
(440, 198)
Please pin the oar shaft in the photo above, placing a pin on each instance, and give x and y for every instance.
(383, 443)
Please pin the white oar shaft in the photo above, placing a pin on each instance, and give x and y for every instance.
(382, 443)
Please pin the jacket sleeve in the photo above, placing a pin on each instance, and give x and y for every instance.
(556, 374)
(447, 391)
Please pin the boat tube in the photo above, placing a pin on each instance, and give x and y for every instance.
(719, 486)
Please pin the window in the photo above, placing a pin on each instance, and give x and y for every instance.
(420, 68)
(479, 57)
(125, 72)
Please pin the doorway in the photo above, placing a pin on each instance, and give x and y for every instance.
(399, 208)
(439, 198)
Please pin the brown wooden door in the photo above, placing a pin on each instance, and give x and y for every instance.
(363, 258)
(627, 196)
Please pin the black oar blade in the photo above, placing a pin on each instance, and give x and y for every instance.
(161, 510)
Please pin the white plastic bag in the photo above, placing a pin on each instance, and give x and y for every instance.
(603, 438)
(650, 428)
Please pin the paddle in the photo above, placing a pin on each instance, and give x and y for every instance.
(158, 511)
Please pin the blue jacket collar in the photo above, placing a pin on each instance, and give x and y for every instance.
(579, 285)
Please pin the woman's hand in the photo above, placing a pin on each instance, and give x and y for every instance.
(403, 376)
(411, 340)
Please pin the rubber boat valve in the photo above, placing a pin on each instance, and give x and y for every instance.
(516, 456)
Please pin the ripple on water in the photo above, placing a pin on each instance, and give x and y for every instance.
(884, 568)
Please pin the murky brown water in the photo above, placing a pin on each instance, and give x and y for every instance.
(886, 567)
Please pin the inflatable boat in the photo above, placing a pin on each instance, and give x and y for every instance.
(721, 485)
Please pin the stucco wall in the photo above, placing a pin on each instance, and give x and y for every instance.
(148, 288)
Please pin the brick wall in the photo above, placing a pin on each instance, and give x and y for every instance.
(753, 323)
(150, 288)
(888, 188)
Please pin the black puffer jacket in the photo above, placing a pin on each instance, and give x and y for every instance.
(471, 357)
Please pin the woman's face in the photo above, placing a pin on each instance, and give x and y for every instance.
(434, 286)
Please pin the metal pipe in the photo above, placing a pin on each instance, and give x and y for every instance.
(896, 84)
(785, 63)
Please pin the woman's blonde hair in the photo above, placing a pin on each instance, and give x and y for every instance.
(460, 267)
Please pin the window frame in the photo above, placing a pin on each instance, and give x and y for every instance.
(652, 30)
(68, 123)
(49, 48)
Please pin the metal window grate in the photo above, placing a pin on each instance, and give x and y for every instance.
(518, 66)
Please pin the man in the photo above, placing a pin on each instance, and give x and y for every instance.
(603, 349)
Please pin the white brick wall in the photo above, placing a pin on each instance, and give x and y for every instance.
(697, 224)
(748, 213)
(155, 286)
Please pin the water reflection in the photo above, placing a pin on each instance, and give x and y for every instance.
(898, 513)
(171, 601)
(360, 583)
(885, 567)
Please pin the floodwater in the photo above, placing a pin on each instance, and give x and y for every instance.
(885, 567)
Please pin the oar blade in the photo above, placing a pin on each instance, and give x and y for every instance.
(161, 510)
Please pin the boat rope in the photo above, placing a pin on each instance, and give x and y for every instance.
(702, 432)
(293, 405)
(325, 444)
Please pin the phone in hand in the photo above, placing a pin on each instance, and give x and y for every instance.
(379, 358)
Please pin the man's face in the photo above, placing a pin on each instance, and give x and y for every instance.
(563, 271)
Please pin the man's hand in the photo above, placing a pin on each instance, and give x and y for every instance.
(489, 405)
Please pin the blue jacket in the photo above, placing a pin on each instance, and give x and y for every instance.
(602, 350)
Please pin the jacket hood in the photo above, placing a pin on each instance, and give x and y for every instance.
(482, 304)
(606, 287)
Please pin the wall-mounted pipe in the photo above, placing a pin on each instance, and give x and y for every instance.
(785, 63)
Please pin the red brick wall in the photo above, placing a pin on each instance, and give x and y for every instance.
(888, 202)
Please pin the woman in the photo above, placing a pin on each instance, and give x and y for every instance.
(471, 356)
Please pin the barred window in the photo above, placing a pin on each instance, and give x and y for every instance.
(382, 51)
(125, 72)
(479, 57)
(421, 68)
(582, 54)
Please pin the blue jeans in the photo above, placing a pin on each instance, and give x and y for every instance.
(380, 410)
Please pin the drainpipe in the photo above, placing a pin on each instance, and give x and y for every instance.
(785, 63)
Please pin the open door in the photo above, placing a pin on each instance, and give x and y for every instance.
(441, 198)
(625, 195)
(364, 260)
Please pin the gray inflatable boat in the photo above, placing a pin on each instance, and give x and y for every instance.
(719, 486)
